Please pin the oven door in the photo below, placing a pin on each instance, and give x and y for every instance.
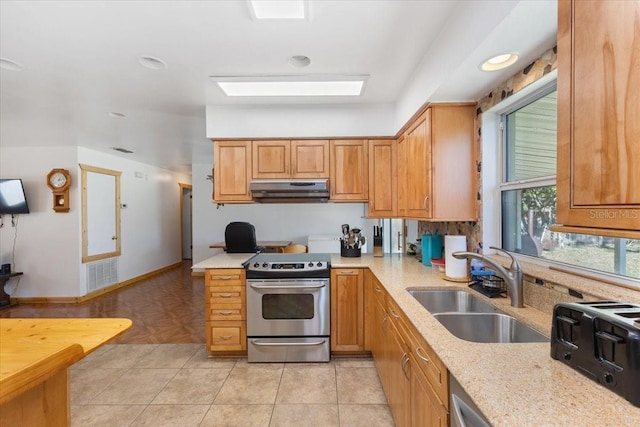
(288, 307)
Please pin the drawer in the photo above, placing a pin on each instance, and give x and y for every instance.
(379, 292)
(227, 336)
(225, 295)
(227, 313)
(225, 277)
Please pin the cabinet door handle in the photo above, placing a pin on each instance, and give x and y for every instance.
(424, 204)
(421, 356)
(384, 319)
(405, 361)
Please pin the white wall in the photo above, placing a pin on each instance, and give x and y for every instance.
(272, 221)
(291, 121)
(48, 245)
(150, 234)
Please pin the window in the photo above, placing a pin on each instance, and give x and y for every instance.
(528, 196)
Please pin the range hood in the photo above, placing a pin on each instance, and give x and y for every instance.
(290, 190)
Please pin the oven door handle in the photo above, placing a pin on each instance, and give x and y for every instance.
(287, 344)
(287, 286)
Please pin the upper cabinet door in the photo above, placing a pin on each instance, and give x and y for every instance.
(271, 159)
(416, 168)
(453, 156)
(310, 159)
(349, 170)
(598, 177)
(232, 171)
(383, 179)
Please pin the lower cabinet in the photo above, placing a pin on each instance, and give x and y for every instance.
(226, 310)
(347, 310)
(426, 409)
(414, 380)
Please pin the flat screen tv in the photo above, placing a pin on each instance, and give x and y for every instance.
(12, 198)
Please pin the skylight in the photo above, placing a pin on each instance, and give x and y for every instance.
(291, 85)
(278, 9)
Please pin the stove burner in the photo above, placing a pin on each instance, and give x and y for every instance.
(288, 265)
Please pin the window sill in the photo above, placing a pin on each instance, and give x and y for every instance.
(598, 289)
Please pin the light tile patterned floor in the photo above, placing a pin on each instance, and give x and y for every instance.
(180, 385)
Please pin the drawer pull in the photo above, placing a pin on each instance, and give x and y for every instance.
(226, 337)
(377, 289)
(225, 313)
(223, 277)
(345, 273)
(394, 314)
(225, 295)
(422, 356)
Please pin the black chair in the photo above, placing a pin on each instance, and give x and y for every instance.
(240, 237)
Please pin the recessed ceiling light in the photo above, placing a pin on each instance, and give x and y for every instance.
(152, 63)
(299, 61)
(312, 85)
(7, 64)
(116, 115)
(499, 62)
(278, 9)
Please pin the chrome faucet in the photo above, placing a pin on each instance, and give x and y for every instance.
(512, 277)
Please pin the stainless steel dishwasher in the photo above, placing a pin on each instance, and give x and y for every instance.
(464, 413)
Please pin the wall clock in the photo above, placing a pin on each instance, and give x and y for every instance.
(59, 181)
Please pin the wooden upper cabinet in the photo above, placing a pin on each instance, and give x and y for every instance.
(232, 171)
(349, 170)
(276, 159)
(383, 179)
(598, 177)
(310, 159)
(415, 169)
(453, 162)
(271, 159)
(436, 165)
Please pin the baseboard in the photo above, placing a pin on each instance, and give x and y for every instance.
(94, 294)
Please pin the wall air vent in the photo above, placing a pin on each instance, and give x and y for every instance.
(101, 274)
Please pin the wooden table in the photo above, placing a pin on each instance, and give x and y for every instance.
(35, 356)
(272, 245)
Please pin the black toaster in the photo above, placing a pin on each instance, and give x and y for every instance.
(602, 341)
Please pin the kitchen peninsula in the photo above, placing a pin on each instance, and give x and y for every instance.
(35, 356)
(512, 384)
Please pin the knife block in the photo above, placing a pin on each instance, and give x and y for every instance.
(377, 251)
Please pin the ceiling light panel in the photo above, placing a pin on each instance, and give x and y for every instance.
(318, 85)
(278, 9)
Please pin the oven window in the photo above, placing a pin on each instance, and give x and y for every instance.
(287, 306)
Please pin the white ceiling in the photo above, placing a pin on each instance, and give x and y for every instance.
(81, 61)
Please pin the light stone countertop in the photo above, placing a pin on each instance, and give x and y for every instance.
(512, 384)
(223, 260)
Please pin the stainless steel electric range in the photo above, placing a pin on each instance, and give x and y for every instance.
(288, 311)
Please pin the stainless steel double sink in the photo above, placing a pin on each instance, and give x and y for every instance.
(472, 319)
